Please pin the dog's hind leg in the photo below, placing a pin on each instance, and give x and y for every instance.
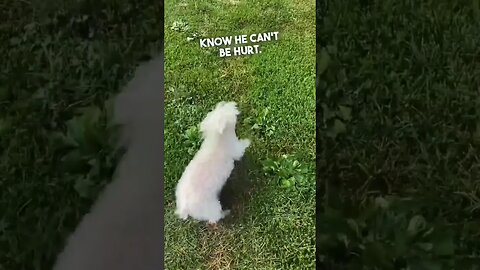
(214, 212)
(182, 213)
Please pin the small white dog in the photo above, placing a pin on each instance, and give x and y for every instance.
(200, 185)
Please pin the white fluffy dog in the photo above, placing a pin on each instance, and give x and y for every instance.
(200, 185)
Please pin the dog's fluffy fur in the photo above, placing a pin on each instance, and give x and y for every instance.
(124, 229)
(199, 187)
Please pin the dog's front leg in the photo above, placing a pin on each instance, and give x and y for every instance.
(240, 148)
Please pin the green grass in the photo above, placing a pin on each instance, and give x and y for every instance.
(399, 115)
(272, 224)
(59, 57)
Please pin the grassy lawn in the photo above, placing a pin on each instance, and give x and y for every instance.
(59, 57)
(272, 226)
(399, 131)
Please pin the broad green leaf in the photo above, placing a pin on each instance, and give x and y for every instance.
(73, 162)
(286, 183)
(339, 127)
(345, 113)
(83, 186)
(75, 131)
(327, 113)
(416, 224)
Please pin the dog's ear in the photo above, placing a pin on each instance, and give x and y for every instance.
(221, 124)
(214, 122)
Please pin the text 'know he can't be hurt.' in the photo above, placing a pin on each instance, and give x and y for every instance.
(240, 39)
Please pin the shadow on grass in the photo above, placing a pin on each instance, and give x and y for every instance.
(240, 187)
